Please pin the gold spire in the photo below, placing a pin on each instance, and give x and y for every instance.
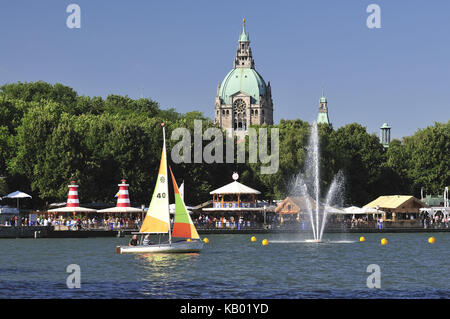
(243, 22)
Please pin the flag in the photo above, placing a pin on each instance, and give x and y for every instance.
(181, 190)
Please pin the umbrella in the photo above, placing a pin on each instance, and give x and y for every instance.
(333, 210)
(68, 209)
(370, 210)
(353, 210)
(121, 210)
(18, 195)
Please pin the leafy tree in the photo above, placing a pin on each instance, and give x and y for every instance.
(428, 151)
(360, 155)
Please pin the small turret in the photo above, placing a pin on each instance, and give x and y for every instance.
(385, 135)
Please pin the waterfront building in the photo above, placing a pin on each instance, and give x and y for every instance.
(398, 207)
(296, 205)
(294, 208)
(235, 200)
(243, 98)
(73, 204)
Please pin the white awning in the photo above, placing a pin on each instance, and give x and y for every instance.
(72, 210)
(120, 210)
(235, 188)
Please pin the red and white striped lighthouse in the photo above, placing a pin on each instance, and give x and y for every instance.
(72, 198)
(123, 199)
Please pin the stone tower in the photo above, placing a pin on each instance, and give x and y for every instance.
(243, 98)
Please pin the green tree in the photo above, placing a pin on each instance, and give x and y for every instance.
(360, 155)
(428, 151)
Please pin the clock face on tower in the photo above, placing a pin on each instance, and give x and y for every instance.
(239, 106)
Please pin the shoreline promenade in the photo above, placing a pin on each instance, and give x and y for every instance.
(49, 232)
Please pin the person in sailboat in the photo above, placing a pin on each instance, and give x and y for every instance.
(133, 241)
(147, 240)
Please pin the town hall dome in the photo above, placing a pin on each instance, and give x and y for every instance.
(245, 80)
(243, 98)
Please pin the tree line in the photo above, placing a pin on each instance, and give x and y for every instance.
(50, 135)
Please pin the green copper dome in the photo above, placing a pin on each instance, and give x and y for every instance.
(323, 99)
(246, 80)
(244, 35)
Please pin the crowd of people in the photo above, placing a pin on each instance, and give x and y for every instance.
(205, 221)
(436, 221)
(77, 222)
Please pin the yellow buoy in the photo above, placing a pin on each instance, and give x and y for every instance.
(431, 240)
(362, 238)
(188, 240)
(205, 240)
(253, 239)
(265, 242)
(384, 241)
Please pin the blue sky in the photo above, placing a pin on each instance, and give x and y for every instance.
(176, 52)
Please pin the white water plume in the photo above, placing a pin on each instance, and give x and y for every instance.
(307, 186)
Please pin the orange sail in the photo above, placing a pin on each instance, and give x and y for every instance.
(183, 226)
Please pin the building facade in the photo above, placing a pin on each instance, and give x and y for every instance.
(243, 98)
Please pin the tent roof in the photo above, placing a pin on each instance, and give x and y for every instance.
(120, 210)
(71, 210)
(393, 201)
(235, 188)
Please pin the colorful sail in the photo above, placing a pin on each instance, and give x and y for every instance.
(157, 219)
(182, 226)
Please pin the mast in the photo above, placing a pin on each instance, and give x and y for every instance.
(167, 182)
(157, 219)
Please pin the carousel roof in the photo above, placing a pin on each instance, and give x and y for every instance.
(76, 209)
(119, 209)
(235, 188)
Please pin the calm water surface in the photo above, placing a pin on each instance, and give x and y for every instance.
(230, 266)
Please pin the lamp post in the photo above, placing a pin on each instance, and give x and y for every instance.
(265, 215)
(143, 213)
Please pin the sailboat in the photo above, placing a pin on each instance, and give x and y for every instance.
(183, 238)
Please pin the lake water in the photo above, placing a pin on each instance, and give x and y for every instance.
(231, 266)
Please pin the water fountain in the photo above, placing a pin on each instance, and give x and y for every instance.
(307, 185)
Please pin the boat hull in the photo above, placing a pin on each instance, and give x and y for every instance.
(178, 247)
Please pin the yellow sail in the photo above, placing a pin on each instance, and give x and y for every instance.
(157, 219)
